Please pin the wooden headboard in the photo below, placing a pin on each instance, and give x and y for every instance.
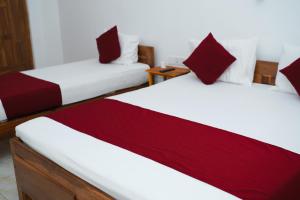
(265, 72)
(146, 55)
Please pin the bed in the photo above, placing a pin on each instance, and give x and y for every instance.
(80, 81)
(48, 168)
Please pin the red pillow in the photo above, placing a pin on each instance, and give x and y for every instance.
(109, 46)
(209, 60)
(292, 72)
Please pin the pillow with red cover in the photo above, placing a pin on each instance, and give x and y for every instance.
(292, 72)
(109, 46)
(209, 60)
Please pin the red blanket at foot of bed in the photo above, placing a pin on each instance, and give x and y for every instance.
(244, 167)
(22, 94)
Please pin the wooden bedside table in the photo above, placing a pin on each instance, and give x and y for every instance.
(179, 71)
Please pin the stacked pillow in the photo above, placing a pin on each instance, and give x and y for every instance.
(234, 61)
(117, 48)
(109, 46)
(288, 76)
(129, 49)
(241, 71)
(209, 60)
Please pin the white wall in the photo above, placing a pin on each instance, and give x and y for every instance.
(45, 32)
(169, 24)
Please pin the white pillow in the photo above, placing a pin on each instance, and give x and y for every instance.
(129, 49)
(242, 70)
(290, 54)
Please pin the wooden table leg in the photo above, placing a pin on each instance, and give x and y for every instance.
(166, 78)
(150, 79)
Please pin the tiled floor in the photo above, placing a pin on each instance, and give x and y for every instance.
(8, 188)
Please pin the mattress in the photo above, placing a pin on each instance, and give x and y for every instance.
(257, 112)
(87, 79)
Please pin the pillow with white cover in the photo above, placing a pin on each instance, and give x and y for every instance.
(242, 70)
(290, 54)
(129, 49)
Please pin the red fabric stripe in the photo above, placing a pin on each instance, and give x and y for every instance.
(22, 95)
(244, 167)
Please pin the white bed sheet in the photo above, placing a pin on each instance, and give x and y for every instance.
(256, 112)
(87, 79)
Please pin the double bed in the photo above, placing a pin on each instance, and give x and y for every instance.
(78, 81)
(56, 161)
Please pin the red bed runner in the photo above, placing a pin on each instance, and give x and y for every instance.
(246, 168)
(22, 94)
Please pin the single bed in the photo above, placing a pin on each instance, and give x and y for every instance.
(80, 81)
(99, 170)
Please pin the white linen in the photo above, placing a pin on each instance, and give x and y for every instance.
(242, 70)
(87, 79)
(129, 49)
(290, 54)
(256, 112)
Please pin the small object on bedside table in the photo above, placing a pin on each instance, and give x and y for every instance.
(163, 64)
(170, 73)
(167, 69)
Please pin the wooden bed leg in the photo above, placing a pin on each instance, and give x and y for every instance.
(6, 134)
(23, 196)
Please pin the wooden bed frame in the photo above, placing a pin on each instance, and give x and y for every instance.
(146, 55)
(38, 178)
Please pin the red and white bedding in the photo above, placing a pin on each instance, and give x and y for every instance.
(77, 81)
(271, 118)
(22, 94)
